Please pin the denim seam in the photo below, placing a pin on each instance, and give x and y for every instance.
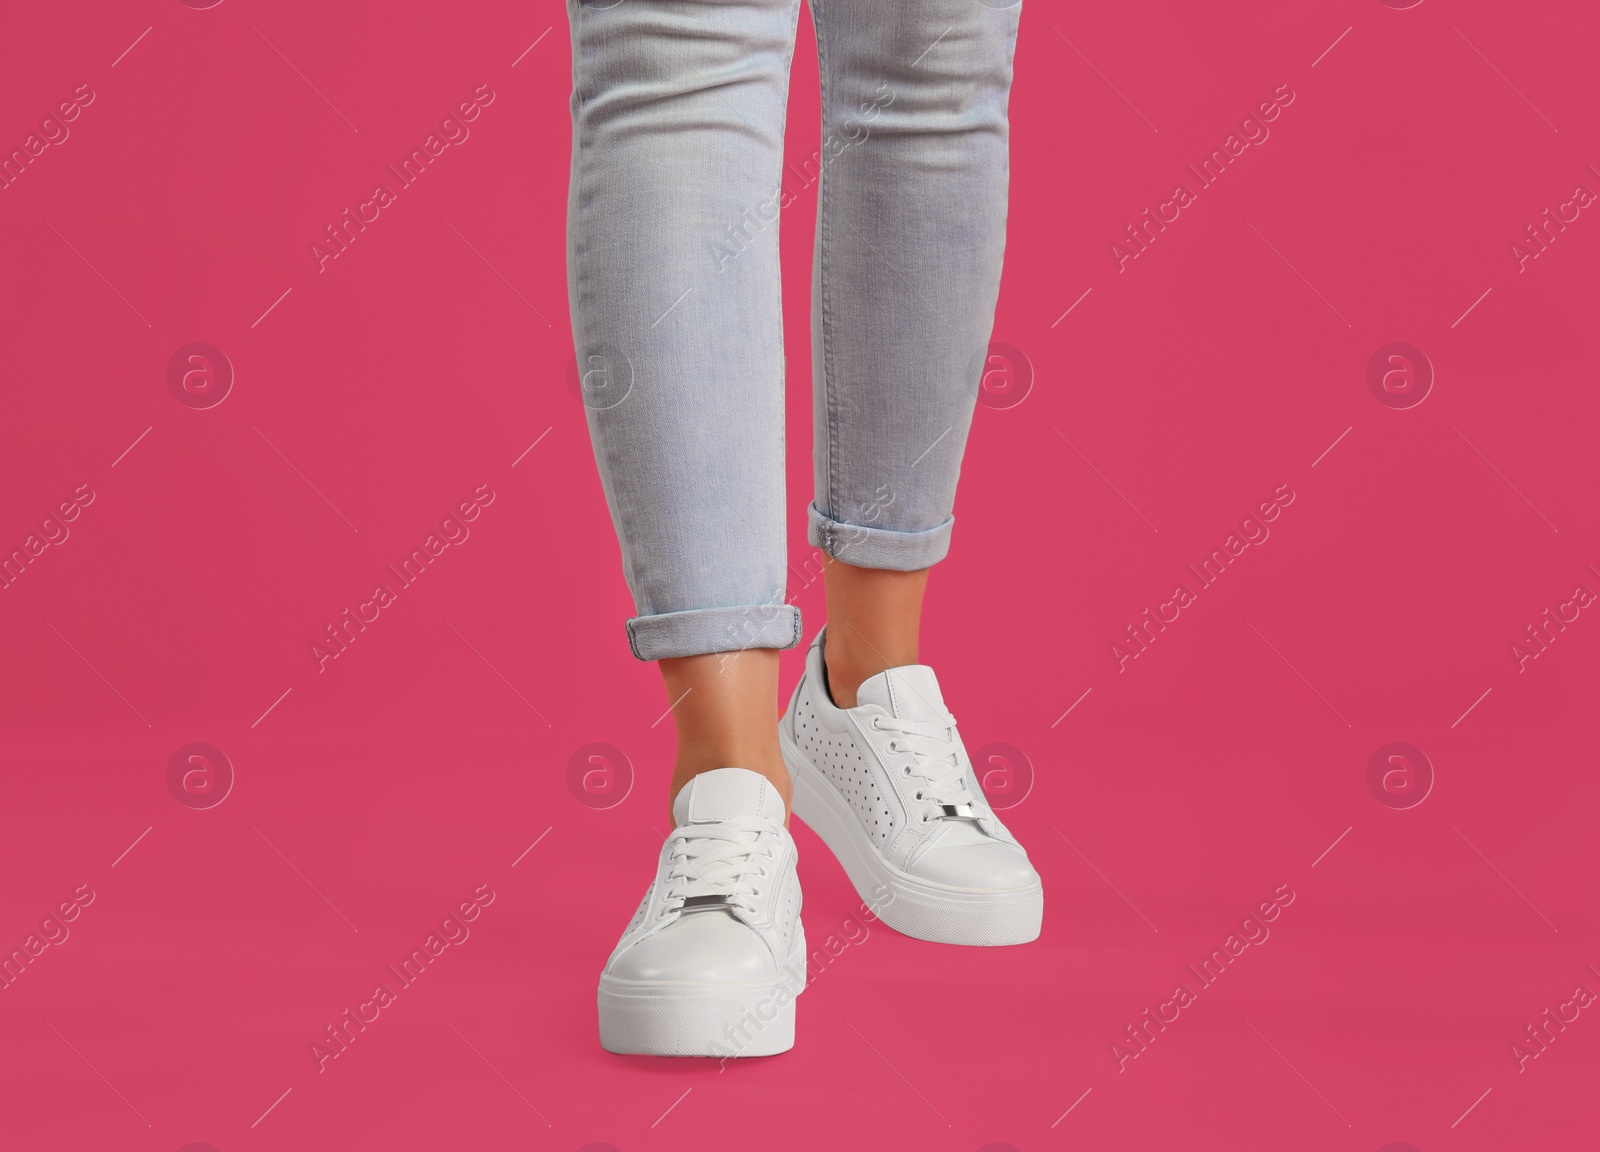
(625, 519)
(824, 301)
(783, 120)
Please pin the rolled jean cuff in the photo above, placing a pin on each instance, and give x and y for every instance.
(865, 547)
(697, 631)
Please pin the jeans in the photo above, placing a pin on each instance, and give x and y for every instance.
(677, 181)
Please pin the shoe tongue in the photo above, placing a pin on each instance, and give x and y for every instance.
(724, 793)
(910, 692)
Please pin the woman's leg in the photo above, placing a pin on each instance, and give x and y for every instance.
(910, 236)
(678, 111)
(876, 616)
(678, 116)
(723, 708)
(911, 230)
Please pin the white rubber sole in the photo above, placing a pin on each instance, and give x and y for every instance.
(915, 907)
(717, 1020)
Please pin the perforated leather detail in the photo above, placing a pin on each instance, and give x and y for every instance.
(638, 916)
(787, 912)
(635, 926)
(852, 770)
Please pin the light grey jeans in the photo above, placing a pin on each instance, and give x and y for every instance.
(678, 178)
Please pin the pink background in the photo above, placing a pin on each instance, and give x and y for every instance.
(1175, 795)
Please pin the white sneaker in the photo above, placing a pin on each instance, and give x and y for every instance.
(890, 789)
(714, 958)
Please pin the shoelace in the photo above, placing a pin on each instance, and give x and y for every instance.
(724, 859)
(932, 747)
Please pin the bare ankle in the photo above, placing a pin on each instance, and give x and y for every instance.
(724, 706)
(873, 618)
(851, 659)
(844, 676)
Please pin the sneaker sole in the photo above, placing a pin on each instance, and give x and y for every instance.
(695, 1020)
(905, 903)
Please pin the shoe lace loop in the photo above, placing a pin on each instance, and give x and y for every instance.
(933, 755)
(726, 859)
